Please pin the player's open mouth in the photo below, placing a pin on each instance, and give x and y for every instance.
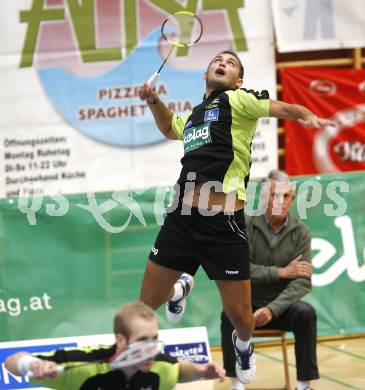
(220, 72)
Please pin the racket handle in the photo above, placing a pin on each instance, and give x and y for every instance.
(152, 80)
(30, 374)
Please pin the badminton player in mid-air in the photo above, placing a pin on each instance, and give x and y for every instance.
(134, 362)
(205, 226)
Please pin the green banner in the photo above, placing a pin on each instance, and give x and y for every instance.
(67, 263)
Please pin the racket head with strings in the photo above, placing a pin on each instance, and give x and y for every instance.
(137, 353)
(181, 29)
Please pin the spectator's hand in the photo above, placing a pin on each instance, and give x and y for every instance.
(263, 316)
(297, 268)
(147, 93)
(213, 371)
(43, 369)
(315, 122)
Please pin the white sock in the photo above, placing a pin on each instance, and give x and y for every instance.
(178, 292)
(303, 385)
(236, 385)
(242, 345)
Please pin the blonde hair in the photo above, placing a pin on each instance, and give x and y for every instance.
(127, 313)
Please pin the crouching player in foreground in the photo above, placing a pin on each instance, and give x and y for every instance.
(135, 326)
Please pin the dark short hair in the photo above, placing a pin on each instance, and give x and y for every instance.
(235, 55)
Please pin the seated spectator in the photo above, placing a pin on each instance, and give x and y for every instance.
(280, 249)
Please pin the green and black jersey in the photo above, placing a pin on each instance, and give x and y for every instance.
(163, 374)
(217, 138)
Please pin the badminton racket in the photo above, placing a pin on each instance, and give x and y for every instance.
(181, 29)
(135, 353)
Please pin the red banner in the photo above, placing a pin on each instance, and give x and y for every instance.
(337, 94)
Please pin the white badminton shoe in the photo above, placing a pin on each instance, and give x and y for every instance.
(245, 362)
(175, 309)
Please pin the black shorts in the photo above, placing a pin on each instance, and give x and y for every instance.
(218, 243)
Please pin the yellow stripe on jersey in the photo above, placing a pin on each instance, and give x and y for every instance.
(178, 124)
(246, 109)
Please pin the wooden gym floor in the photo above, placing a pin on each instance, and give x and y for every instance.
(341, 364)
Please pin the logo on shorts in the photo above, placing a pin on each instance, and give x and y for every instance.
(230, 272)
(195, 137)
(154, 251)
(211, 115)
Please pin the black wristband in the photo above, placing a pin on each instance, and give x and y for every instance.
(153, 102)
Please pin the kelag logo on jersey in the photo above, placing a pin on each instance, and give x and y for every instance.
(195, 137)
(194, 352)
(211, 115)
(10, 382)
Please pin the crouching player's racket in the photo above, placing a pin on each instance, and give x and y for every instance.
(135, 353)
(181, 29)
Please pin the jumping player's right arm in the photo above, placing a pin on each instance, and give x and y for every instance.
(162, 114)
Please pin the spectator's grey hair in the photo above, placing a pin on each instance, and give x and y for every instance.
(276, 175)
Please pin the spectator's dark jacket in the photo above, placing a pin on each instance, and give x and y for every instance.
(267, 289)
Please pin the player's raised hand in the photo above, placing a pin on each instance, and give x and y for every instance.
(147, 93)
(315, 122)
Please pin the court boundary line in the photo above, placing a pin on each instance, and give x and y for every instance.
(337, 381)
